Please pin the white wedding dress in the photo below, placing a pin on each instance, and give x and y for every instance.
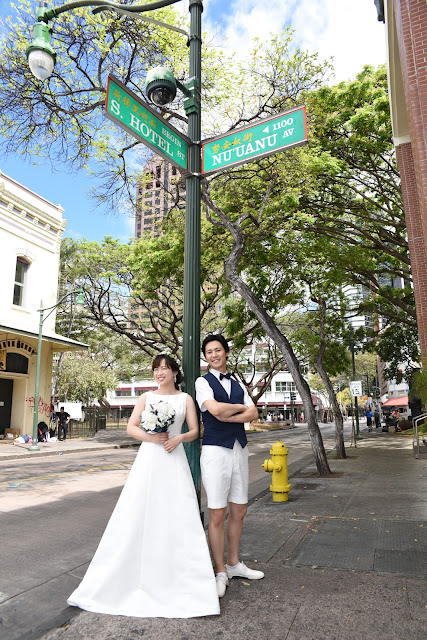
(153, 560)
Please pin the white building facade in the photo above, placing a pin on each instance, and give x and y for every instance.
(31, 230)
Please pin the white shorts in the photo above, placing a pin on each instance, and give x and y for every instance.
(225, 474)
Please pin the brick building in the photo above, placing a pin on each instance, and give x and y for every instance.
(406, 31)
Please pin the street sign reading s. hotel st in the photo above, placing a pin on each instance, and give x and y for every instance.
(258, 140)
(132, 114)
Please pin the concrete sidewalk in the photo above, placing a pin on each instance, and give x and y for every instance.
(104, 439)
(346, 557)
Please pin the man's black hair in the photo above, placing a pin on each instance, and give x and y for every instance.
(215, 337)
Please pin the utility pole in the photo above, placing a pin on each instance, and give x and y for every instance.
(356, 400)
(293, 397)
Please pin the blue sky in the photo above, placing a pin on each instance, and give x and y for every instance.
(344, 29)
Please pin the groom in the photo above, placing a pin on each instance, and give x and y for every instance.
(225, 407)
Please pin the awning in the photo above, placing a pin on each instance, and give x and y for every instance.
(59, 343)
(399, 401)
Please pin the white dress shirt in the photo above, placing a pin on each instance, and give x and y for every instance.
(205, 392)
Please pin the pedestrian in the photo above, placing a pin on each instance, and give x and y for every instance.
(396, 416)
(269, 418)
(377, 419)
(225, 407)
(63, 420)
(42, 432)
(301, 417)
(369, 415)
(153, 560)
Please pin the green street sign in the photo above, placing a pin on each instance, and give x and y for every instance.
(288, 129)
(133, 115)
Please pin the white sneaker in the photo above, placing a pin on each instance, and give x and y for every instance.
(221, 584)
(242, 571)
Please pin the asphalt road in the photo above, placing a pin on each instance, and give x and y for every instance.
(52, 520)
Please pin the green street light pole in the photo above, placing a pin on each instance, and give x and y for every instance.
(191, 327)
(41, 59)
(80, 300)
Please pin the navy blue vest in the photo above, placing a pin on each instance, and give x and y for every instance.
(223, 434)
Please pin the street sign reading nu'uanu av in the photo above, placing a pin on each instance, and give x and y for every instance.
(132, 114)
(287, 129)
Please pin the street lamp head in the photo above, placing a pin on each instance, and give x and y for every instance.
(40, 55)
(80, 297)
(160, 86)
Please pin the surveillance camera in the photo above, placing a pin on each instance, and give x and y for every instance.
(161, 95)
(160, 86)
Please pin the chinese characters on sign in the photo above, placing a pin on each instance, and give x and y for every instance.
(124, 108)
(271, 135)
(285, 130)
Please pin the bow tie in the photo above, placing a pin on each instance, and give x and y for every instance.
(225, 375)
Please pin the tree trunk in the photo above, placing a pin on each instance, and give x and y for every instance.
(338, 418)
(318, 361)
(271, 329)
(292, 363)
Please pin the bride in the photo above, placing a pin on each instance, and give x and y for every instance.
(153, 560)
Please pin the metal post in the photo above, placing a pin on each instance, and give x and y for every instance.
(292, 411)
(191, 328)
(356, 400)
(34, 446)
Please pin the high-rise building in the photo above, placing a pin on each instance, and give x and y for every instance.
(155, 194)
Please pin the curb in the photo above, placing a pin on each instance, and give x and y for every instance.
(42, 454)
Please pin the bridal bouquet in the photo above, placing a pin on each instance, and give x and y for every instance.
(157, 418)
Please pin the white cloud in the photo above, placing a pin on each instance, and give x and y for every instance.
(345, 29)
(349, 31)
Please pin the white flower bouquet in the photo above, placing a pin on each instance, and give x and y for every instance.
(158, 417)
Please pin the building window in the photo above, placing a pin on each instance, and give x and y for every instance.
(123, 392)
(19, 285)
(16, 363)
(283, 387)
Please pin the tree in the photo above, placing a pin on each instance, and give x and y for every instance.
(357, 205)
(344, 398)
(235, 279)
(134, 291)
(266, 361)
(82, 378)
(63, 117)
(343, 191)
(398, 348)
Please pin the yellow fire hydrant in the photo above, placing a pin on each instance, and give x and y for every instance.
(278, 466)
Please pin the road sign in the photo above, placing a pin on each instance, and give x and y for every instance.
(287, 129)
(134, 115)
(356, 388)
